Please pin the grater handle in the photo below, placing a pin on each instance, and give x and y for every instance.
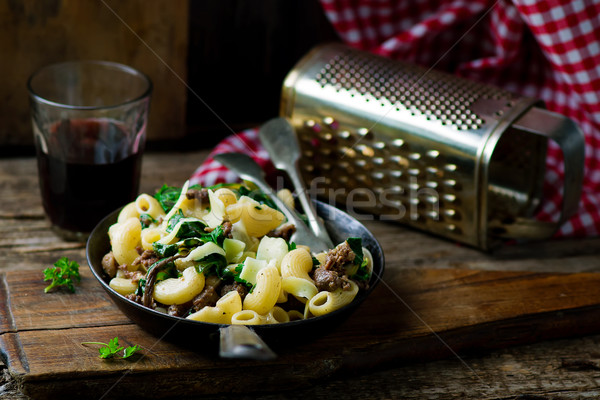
(571, 141)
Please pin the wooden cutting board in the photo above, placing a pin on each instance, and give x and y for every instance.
(414, 314)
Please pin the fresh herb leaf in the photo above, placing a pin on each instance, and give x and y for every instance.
(62, 274)
(316, 262)
(131, 350)
(110, 349)
(291, 246)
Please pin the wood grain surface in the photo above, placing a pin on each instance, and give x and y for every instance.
(438, 300)
(151, 36)
(414, 315)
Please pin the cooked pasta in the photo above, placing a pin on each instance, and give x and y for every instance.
(125, 237)
(297, 263)
(179, 290)
(325, 302)
(208, 255)
(266, 291)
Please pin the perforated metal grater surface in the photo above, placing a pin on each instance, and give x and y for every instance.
(447, 155)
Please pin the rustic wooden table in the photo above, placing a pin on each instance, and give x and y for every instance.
(519, 323)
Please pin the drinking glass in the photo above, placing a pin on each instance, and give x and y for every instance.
(89, 124)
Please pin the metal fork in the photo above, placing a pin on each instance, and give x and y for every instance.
(249, 170)
(279, 138)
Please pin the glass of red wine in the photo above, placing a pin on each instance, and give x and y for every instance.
(89, 124)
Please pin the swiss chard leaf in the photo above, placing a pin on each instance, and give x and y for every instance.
(192, 229)
(174, 220)
(169, 272)
(236, 277)
(257, 195)
(146, 220)
(214, 264)
(187, 229)
(141, 287)
(362, 273)
(216, 236)
(167, 196)
(356, 246)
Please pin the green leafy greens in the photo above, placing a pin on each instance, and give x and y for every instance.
(62, 274)
(362, 274)
(257, 195)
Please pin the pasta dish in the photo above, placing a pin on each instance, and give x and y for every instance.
(224, 255)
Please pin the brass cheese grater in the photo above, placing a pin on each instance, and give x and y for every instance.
(447, 155)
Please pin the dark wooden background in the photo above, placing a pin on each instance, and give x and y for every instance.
(217, 65)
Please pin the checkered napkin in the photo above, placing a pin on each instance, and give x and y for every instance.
(544, 49)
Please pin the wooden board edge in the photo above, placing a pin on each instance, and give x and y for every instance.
(181, 382)
(476, 340)
(13, 356)
(7, 322)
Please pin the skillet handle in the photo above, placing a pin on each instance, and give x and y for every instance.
(239, 341)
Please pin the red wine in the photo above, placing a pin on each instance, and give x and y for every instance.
(84, 180)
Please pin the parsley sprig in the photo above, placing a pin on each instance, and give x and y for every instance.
(62, 274)
(112, 348)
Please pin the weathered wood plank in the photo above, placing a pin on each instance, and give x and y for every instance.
(413, 315)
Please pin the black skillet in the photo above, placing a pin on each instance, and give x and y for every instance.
(203, 335)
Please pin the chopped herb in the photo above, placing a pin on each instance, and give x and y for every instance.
(291, 246)
(62, 274)
(316, 262)
(110, 349)
(257, 208)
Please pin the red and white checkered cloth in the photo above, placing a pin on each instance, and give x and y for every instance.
(544, 49)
